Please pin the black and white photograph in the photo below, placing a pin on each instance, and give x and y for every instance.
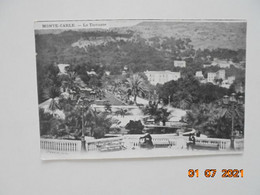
(140, 88)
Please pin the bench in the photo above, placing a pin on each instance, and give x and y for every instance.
(162, 143)
(201, 146)
(112, 146)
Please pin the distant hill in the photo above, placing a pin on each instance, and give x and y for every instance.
(210, 35)
(145, 46)
(204, 35)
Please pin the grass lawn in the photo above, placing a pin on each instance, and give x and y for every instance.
(111, 99)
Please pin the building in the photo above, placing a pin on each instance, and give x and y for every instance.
(92, 72)
(231, 79)
(123, 72)
(63, 68)
(221, 63)
(224, 64)
(225, 84)
(211, 77)
(240, 88)
(199, 75)
(221, 74)
(179, 63)
(161, 77)
(107, 73)
(207, 65)
(228, 82)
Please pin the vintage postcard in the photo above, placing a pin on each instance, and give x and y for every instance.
(140, 88)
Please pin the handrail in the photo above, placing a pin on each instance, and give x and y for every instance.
(132, 141)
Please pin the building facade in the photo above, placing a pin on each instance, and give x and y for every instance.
(63, 68)
(221, 63)
(199, 74)
(179, 63)
(161, 77)
(221, 74)
(211, 77)
(231, 79)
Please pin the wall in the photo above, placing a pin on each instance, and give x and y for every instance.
(22, 171)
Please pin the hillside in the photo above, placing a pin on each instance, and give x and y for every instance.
(203, 35)
(145, 46)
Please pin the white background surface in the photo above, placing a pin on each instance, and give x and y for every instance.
(22, 171)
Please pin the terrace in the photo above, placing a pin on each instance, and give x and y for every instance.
(129, 146)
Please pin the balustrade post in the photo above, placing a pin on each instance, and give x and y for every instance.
(83, 144)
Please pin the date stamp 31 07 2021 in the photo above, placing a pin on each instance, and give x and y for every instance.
(211, 173)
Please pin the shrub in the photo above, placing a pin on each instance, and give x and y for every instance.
(134, 127)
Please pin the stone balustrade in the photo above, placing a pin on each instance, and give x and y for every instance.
(132, 142)
(239, 144)
(60, 145)
(94, 145)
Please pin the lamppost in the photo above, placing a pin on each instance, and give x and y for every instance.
(233, 103)
(83, 141)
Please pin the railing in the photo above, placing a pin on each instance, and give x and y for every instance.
(179, 142)
(132, 142)
(159, 140)
(221, 144)
(95, 145)
(239, 144)
(60, 145)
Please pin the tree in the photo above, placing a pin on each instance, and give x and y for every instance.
(99, 123)
(45, 119)
(134, 127)
(108, 107)
(102, 125)
(208, 93)
(94, 82)
(162, 115)
(198, 115)
(182, 99)
(235, 111)
(151, 109)
(136, 86)
(69, 82)
(159, 114)
(53, 93)
(88, 114)
(116, 85)
(214, 119)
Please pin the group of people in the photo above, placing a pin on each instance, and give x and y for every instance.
(191, 142)
(146, 141)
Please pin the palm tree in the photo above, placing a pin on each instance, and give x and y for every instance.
(159, 114)
(234, 114)
(116, 84)
(69, 82)
(52, 94)
(108, 107)
(197, 116)
(151, 108)
(162, 115)
(84, 107)
(214, 119)
(102, 124)
(136, 86)
(182, 100)
(99, 123)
